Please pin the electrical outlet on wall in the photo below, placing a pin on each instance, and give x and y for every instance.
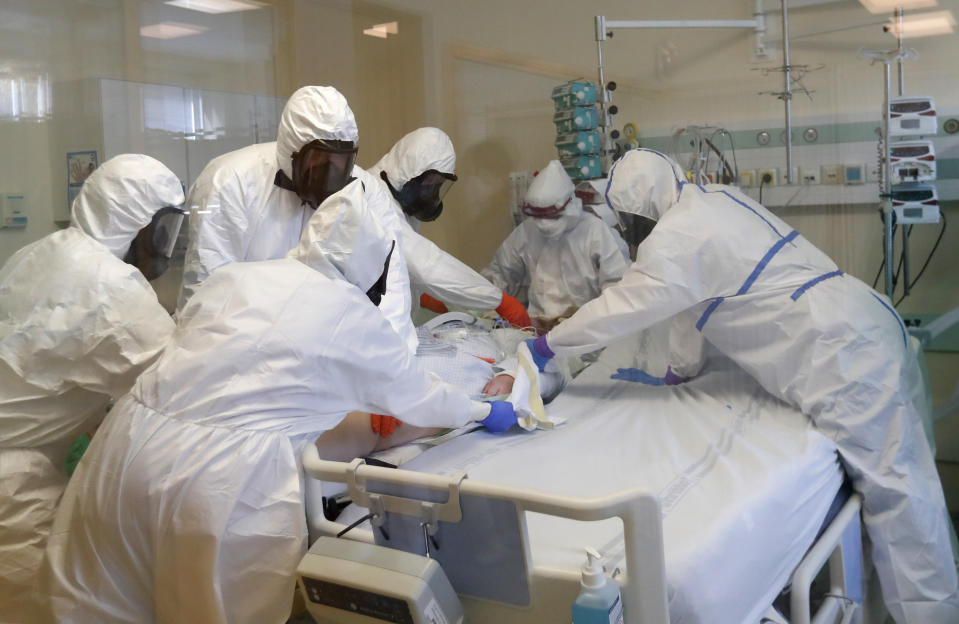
(809, 175)
(831, 174)
(782, 179)
(767, 177)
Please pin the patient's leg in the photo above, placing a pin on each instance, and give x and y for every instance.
(354, 437)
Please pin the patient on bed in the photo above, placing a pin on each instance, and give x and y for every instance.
(461, 350)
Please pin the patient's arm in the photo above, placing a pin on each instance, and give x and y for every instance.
(354, 437)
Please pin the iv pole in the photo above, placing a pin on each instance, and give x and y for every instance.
(758, 23)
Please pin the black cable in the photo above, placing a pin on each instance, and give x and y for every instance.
(355, 524)
(925, 264)
(761, 183)
(902, 258)
(722, 160)
(882, 265)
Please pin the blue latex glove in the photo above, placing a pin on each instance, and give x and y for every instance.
(672, 379)
(501, 417)
(540, 351)
(641, 376)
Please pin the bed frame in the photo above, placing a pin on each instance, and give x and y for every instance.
(433, 501)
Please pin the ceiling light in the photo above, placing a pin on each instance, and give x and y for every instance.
(217, 6)
(923, 24)
(382, 30)
(888, 6)
(170, 30)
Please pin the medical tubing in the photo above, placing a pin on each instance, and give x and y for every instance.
(925, 264)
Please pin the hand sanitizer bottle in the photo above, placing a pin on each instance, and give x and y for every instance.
(599, 601)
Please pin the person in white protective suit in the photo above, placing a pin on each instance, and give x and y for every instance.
(809, 334)
(418, 171)
(188, 505)
(566, 257)
(253, 203)
(77, 325)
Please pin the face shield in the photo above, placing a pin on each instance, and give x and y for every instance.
(321, 168)
(152, 247)
(422, 197)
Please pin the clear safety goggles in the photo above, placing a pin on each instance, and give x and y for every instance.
(545, 212)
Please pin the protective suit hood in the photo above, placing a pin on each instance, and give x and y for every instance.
(313, 113)
(644, 183)
(419, 151)
(343, 235)
(121, 197)
(552, 187)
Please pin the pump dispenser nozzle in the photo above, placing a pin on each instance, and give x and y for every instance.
(593, 575)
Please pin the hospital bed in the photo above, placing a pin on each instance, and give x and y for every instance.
(706, 500)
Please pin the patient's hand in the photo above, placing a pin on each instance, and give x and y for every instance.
(501, 384)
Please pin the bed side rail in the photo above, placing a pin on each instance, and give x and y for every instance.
(644, 584)
(840, 546)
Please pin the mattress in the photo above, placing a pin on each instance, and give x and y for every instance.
(744, 480)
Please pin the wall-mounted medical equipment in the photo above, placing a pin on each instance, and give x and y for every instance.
(349, 582)
(575, 93)
(912, 116)
(912, 161)
(578, 138)
(578, 143)
(578, 118)
(915, 203)
(13, 210)
(583, 167)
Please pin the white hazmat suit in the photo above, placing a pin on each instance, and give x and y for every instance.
(238, 214)
(812, 336)
(565, 262)
(188, 507)
(431, 269)
(77, 325)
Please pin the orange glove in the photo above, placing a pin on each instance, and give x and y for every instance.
(385, 426)
(433, 305)
(513, 311)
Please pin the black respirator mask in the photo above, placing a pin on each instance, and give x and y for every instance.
(378, 289)
(320, 168)
(422, 197)
(153, 245)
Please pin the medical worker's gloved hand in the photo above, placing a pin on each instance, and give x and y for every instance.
(638, 376)
(672, 379)
(540, 351)
(432, 304)
(501, 417)
(513, 311)
(641, 376)
(384, 426)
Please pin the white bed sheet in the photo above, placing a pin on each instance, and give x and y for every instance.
(745, 482)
